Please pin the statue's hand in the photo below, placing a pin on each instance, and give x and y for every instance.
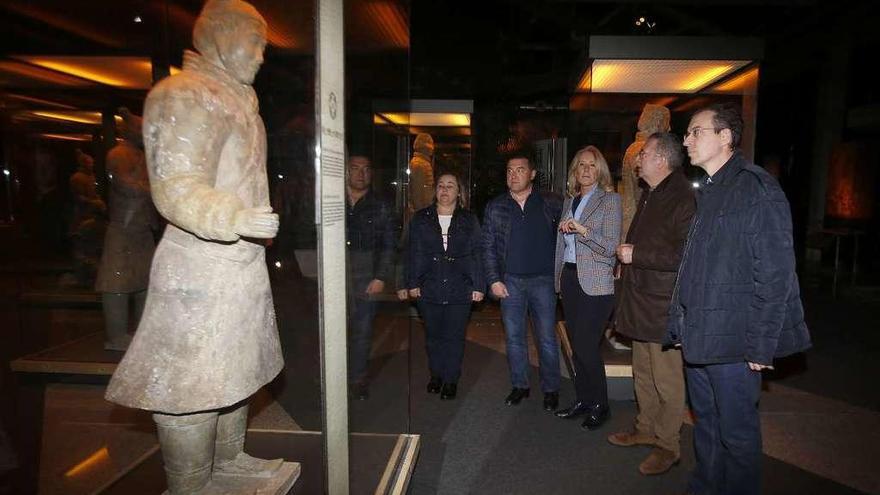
(257, 222)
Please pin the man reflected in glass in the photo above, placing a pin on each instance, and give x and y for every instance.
(369, 233)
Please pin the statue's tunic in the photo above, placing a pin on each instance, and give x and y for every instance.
(128, 243)
(208, 337)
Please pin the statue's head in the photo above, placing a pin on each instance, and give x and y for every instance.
(424, 144)
(232, 35)
(130, 127)
(655, 118)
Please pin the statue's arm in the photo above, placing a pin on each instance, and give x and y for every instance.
(183, 140)
(125, 168)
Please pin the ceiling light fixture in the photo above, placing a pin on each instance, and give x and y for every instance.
(655, 76)
(424, 119)
(77, 117)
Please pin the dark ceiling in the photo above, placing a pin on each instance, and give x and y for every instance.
(523, 48)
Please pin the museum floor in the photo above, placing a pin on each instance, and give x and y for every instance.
(820, 418)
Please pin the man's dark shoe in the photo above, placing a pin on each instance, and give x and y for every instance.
(597, 415)
(573, 411)
(359, 391)
(516, 396)
(448, 391)
(551, 401)
(434, 385)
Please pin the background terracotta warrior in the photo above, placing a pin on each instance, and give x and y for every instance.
(421, 179)
(87, 224)
(128, 242)
(208, 339)
(654, 118)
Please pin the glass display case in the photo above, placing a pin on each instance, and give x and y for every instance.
(72, 81)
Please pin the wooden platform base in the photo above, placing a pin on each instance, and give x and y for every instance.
(83, 356)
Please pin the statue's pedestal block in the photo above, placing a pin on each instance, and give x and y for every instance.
(380, 463)
(279, 484)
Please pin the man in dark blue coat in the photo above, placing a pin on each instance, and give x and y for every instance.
(736, 305)
(369, 239)
(519, 243)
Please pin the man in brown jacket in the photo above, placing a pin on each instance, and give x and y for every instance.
(650, 259)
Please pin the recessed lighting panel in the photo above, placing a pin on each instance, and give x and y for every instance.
(655, 76)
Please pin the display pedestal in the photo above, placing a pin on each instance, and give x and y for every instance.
(381, 463)
(280, 484)
(83, 360)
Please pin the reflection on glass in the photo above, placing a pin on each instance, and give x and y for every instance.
(129, 242)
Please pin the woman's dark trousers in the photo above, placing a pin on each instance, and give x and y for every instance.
(585, 319)
(445, 326)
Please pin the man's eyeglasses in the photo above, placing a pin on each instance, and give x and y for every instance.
(697, 131)
(641, 155)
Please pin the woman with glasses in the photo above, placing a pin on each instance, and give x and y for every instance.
(444, 273)
(589, 232)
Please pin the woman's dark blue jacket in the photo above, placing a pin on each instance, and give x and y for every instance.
(444, 277)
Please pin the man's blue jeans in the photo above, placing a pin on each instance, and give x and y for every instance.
(727, 431)
(360, 337)
(535, 296)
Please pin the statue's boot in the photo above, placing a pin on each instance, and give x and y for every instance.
(229, 456)
(115, 321)
(187, 449)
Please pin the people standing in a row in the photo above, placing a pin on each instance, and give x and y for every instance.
(736, 305)
(650, 259)
(588, 234)
(519, 237)
(370, 238)
(444, 273)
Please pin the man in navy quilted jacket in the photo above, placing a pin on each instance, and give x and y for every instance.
(519, 243)
(736, 305)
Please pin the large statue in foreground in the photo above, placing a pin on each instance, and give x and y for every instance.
(207, 340)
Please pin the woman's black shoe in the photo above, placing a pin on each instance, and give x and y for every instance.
(448, 391)
(573, 411)
(597, 415)
(434, 385)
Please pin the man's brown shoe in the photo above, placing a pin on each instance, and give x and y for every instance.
(629, 438)
(658, 461)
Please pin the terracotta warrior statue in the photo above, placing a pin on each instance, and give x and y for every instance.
(421, 170)
(87, 225)
(208, 338)
(654, 118)
(128, 242)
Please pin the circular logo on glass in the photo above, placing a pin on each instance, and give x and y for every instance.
(333, 105)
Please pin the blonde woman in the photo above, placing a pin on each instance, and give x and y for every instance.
(589, 232)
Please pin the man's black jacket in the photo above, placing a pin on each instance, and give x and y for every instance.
(737, 296)
(370, 236)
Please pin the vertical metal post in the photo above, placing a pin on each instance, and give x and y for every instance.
(836, 264)
(330, 218)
